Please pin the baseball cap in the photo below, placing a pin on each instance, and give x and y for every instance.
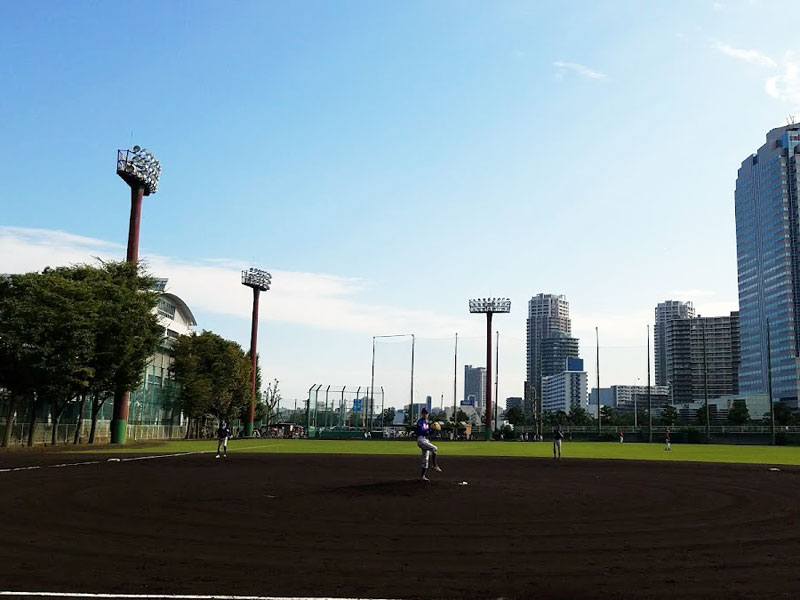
(424, 411)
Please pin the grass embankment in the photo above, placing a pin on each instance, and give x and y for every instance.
(767, 455)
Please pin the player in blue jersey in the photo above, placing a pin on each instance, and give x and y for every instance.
(424, 443)
(222, 439)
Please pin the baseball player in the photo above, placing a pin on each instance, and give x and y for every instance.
(424, 443)
(667, 440)
(558, 435)
(222, 439)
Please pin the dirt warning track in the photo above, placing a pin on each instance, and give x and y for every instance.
(363, 526)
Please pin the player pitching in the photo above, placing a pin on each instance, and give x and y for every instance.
(424, 443)
(222, 439)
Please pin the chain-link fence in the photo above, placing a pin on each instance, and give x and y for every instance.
(153, 413)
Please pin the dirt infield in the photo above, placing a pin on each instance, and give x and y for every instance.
(362, 526)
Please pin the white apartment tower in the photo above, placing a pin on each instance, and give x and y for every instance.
(548, 317)
(667, 311)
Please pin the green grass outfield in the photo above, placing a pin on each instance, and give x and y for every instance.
(765, 455)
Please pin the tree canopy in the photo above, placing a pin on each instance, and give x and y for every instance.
(214, 374)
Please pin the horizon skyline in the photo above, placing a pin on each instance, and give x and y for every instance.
(388, 163)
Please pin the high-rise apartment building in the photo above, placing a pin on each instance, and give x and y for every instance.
(566, 390)
(768, 260)
(548, 319)
(665, 312)
(702, 355)
(475, 387)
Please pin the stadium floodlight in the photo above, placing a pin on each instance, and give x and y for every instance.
(140, 170)
(489, 306)
(259, 280)
(256, 278)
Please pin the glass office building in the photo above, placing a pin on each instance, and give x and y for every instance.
(768, 260)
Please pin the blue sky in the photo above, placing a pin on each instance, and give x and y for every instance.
(388, 161)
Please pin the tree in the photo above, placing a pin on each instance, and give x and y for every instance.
(387, 416)
(783, 414)
(214, 374)
(738, 413)
(515, 415)
(437, 414)
(607, 415)
(579, 416)
(47, 341)
(126, 331)
(669, 416)
(272, 398)
(700, 413)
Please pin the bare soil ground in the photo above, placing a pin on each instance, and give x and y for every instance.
(363, 526)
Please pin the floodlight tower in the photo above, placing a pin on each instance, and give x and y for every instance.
(140, 170)
(489, 306)
(260, 281)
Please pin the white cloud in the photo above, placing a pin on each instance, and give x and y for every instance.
(579, 69)
(316, 300)
(751, 56)
(783, 84)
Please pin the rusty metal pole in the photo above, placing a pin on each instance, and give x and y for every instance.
(248, 428)
(488, 433)
(137, 193)
(119, 423)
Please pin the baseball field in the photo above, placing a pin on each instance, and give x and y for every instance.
(305, 518)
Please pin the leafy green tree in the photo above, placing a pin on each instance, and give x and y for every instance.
(607, 416)
(127, 331)
(669, 416)
(515, 415)
(437, 414)
(783, 414)
(579, 416)
(46, 340)
(700, 413)
(214, 374)
(738, 413)
(20, 355)
(387, 416)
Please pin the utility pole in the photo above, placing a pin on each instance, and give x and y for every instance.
(649, 399)
(769, 385)
(599, 418)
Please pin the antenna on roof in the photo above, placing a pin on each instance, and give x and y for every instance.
(790, 120)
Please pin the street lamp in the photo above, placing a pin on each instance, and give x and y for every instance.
(489, 306)
(140, 170)
(260, 281)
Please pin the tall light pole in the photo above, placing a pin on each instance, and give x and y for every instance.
(140, 170)
(489, 306)
(455, 381)
(599, 423)
(372, 379)
(496, 376)
(649, 398)
(769, 386)
(259, 281)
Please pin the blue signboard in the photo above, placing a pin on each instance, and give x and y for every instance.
(470, 401)
(357, 405)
